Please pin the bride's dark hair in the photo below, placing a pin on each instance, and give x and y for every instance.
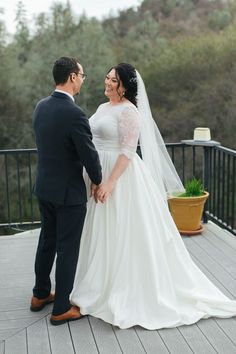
(127, 75)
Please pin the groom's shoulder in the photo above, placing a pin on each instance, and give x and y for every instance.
(42, 102)
(76, 111)
(79, 116)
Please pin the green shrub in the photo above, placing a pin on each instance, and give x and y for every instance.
(193, 188)
(218, 20)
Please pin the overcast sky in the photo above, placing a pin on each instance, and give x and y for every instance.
(98, 8)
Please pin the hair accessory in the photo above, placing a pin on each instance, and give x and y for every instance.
(133, 79)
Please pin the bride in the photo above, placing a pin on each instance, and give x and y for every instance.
(133, 266)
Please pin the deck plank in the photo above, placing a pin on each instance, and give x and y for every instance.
(129, 341)
(218, 339)
(104, 336)
(222, 234)
(174, 341)
(17, 343)
(6, 333)
(216, 269)
(24, 313)
(223, 246)
(212, 277)
(214, 253)
(2, 347)
(82, 337)
(217, 255)
(15, 324)
(228, 325)
(16, 281)
(196, 339)
(60, 338)
(11, 282)
(37, 336)
(152, 341)
(18, 302)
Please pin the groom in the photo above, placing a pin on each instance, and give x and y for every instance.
(64, 143)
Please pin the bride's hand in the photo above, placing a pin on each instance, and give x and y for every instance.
(104, 191)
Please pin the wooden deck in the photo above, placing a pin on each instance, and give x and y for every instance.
(24, 332)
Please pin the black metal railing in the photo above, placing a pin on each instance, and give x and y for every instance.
(220, 181)
(18, 206)
(187, 160)
(215, 165)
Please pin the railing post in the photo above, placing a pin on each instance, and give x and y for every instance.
(206, 177)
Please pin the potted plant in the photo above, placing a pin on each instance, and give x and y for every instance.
(187, 208)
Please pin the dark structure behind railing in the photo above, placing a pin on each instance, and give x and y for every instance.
(210, 162)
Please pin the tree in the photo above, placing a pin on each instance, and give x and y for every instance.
(22, 33)
(218, 20)
(187, 67)
(193, 84)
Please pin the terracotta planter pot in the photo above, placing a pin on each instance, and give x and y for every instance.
(187, 213)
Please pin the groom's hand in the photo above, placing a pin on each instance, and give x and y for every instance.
(93, 191)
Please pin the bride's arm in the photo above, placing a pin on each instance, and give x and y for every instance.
(129, 127)
(107, 187)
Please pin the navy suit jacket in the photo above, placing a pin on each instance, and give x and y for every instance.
(64, 143)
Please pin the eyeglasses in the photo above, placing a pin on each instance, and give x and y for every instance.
(82, 75)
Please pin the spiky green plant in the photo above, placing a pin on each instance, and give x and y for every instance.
(193, 188)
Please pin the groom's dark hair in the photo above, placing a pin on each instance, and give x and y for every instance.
(63, 67)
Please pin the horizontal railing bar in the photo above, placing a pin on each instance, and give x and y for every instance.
(18, 151)
(13, 151)
(220, 222)
(23, 223)
(227, 150)
(176, 144)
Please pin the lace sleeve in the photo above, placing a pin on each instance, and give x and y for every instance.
(129, 128)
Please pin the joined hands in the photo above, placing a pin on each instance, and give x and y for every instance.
(102, 191)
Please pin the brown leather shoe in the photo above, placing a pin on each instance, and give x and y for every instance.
(39, 304)
(72, 315)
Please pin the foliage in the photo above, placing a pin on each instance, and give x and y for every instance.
(219, 19)
(184, 49)
(195, 86)
(193, 188)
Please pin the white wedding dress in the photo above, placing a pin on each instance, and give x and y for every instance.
(133, 266)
